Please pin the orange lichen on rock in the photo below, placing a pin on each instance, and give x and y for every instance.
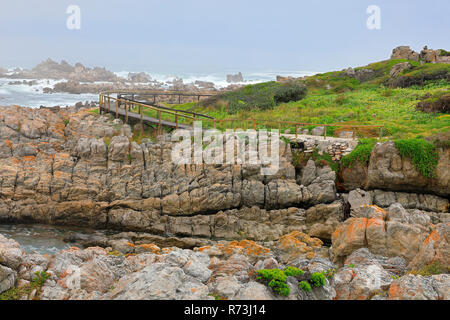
(246, 247)
(8, 143)
(434, 236)
(151, 247)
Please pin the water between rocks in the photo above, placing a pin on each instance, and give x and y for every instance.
(47, 239)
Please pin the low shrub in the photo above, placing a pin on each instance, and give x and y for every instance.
(318, 279)
(422, 153)
(361, 153)
(305, 286)
(293, 271)
(280, 288)
(431, 269)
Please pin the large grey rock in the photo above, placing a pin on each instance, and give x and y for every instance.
(411, 287)
(363, 280)
(7, 278)
(11, 254)
(159, 281)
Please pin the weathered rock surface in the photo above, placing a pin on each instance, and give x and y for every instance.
(410, 287)
(404, 52)
(388, 170)
(399, 68)
(57, 169)
(395, 232)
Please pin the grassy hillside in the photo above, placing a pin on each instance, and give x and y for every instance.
(341, 101)
(334, 98)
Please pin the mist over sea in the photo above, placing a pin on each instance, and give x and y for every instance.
(32, 95)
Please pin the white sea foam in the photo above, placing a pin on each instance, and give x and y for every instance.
(33, 96)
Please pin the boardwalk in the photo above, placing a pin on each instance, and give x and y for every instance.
(122, 106)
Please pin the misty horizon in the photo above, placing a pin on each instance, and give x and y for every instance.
(204, 37)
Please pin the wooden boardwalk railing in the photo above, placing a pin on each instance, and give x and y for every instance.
(124, 105)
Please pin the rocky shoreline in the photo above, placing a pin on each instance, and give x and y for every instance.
(203, 231)
(78, 79)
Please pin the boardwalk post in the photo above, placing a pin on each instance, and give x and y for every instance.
(296, 130)
(214, 123)
(279, 128)
(159, 123)
(325, 133)
(126, 113)
(109, 104)
(381, 132)
(100, 103)
(141, 111)
(117, 108)
(176, 119)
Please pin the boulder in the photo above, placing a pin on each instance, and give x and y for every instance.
(11, 254)
(7, 278)
(399, 68)
(404, 52)
(388, 170)
(411, 287)
(361, 278)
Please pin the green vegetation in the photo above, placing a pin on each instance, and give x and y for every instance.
(305, 286)
(36, 283)
(422, 153)
(336, 100)
(325, 159)
(431, 269)
(318, 279)
(261, 96)
(361, 153)
(280, 288)
(343, 102)
(276, 278)
(444, 53)
(271, 274)
(293, 271)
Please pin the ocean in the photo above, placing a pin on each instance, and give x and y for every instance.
(34, 97)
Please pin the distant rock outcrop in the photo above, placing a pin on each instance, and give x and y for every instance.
(50, 69)
(139, 77)
(233, 78)
(404, 52)
(426, 55)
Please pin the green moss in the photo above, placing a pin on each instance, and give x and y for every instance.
(271, 274)
(16, 293)
(325, 159)
(114, 253)
(280, 288)
(361, 153)
(422, 153)
(293, 271)
(431, 269)
(318, 279)
(304, 286)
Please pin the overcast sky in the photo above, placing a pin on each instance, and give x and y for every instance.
(213, 35)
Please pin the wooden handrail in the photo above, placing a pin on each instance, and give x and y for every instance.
(105, 104)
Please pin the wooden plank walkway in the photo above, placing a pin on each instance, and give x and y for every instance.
(146, 119)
